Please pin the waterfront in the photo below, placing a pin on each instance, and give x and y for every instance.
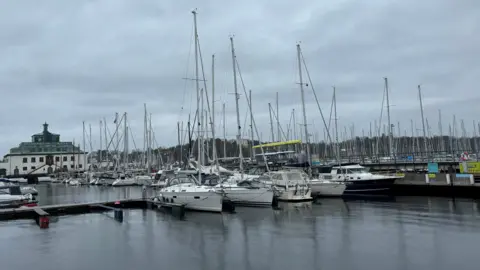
(407, 233)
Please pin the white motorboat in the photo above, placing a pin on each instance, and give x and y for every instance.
(4, 182)
(124, 181)
(358, 179)
(290, 186)
(11, 197)
(327, 188)
(184, 189)
(247, 192)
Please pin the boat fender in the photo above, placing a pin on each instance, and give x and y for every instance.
(296, 189)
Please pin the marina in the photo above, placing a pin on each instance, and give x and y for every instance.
(320, 135)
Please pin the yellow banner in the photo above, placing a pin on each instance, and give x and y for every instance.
(471, 167)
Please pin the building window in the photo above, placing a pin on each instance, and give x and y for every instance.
(65, 167)
(32, 160)
(25, 168)
(72, 158)
(25, 160)
(41, 159)
(57, 159)
(64, 158)
(71, 166)
(80, 166)
(33, 168)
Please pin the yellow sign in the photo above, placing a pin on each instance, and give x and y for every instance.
(274, 144)
(472, 167)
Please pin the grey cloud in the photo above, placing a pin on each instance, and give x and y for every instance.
(65, 62)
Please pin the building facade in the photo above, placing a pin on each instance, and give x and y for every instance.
(45, 154)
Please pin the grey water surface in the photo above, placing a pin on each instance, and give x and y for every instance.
(404, 233)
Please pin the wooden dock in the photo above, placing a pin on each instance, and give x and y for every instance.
(69, 209)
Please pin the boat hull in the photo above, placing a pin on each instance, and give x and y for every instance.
(249, 197)
(197, 201)
(328, 189)
(295, 195)
(369, 187)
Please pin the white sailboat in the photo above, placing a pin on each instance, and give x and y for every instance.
(124, 180)
(184, 189)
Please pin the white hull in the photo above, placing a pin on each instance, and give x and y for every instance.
(292, 196)
(327, 188)
(246, 196)
(143, 180)
(105, 181)
(124, 182)
(198, 201)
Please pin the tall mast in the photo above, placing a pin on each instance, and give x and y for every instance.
(197, 86)
(150, 144)
(337, 150)
(440, 129)
(423, 121)
(390, 135)
(475, 137)
(224, 133)
(125, 143)
(271, 121)
(252, 151)
(214, 142)
(145, 128)
(303, 107)
(279, 137)
(237, 97)
(100, 153)
(83, 137)
(106, 141)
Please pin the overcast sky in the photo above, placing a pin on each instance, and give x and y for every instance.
(64, 62)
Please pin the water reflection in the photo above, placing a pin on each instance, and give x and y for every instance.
(405, 233)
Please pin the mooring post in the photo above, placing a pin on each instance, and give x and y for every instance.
(42, 218)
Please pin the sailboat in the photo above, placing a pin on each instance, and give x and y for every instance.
(244, 191)
(184, 188)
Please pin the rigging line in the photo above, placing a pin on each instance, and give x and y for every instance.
(331, 110)
(249, 102)
(380, 122)
(281, 129)
(131, 133)
(186, 75)
(316, 98)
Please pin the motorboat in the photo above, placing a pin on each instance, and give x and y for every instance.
(358, 180)
(290, 186)
(247, 193)
(185, 189)
(327, 188)
(11, 197)
(23, 189)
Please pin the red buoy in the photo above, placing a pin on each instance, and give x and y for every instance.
(43, 222)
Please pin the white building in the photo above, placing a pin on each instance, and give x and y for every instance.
(45, 154)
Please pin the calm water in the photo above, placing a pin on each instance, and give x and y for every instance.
(408, 233)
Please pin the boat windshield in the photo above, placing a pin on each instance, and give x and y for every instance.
(357, 170)
(181, 179)
(294, 176)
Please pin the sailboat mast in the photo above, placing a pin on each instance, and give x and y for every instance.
(83, 137)
(390, 133)
(423, 121)
(279, 138)
(106, 141)
(125, 142)
(214, 141)
(271, 121)
(337, 150)
(237, 97)
(197, 86)
(224, 133)
(303, 106)
(100, 153)
(252, 151)
(145, 128)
